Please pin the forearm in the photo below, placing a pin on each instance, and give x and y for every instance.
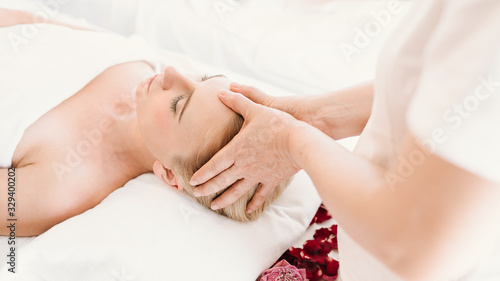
(342, 113)
(411, 225)
(347, 184)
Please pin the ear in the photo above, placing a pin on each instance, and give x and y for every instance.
(166, 175)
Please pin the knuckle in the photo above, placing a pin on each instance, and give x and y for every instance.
(214, 165)
(255, 165)
(259, 198)
(217, 165)
(268, 101)
(207, 189)
(220, 182)
(246, 88)
(237, 193)
(253, 89)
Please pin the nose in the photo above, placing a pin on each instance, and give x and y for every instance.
(173, 79)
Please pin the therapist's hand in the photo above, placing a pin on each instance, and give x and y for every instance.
(258, 154)
(301, 107)
(339, 114)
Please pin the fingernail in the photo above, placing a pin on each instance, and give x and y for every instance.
(196, 193)
(235, 85)
(215, 207)
(193, 182)
(223, 93)
(249, 210)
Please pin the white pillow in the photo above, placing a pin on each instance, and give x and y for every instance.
(148, 231)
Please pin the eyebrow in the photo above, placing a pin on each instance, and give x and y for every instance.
(190, 95)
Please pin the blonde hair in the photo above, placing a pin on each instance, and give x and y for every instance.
(184, 168)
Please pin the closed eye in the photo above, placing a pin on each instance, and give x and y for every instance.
(206, 76)
(174, 102)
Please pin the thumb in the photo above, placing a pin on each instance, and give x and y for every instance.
(250, 92)
(236, 102)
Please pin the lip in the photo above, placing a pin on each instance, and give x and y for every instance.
(151, 81)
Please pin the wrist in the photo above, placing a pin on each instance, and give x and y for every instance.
(344, 113)
(332, 116)
(326, 114)
(299, 138)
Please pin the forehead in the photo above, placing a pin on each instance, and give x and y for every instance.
(205, 96)
(206, 116)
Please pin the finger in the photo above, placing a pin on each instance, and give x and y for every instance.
(220, 162)
(237, 102)
(219, 182)
(259, 197)
(232, 195)
(250, 92)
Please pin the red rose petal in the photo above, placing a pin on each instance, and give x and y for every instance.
(323, 234)
(292, 256)
(316, 251)
(313, 271)
(322, 215)
(334, 244)
(332, 267)
(333, 228)
(295, 252)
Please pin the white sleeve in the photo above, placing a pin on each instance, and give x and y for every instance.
(455, 111)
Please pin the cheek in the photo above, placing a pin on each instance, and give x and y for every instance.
(141, 92)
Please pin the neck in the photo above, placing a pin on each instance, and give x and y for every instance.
(135, 149)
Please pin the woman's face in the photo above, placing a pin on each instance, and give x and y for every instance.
(175, 113)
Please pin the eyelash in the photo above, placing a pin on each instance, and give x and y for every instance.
(174, 102)
(206, 76)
